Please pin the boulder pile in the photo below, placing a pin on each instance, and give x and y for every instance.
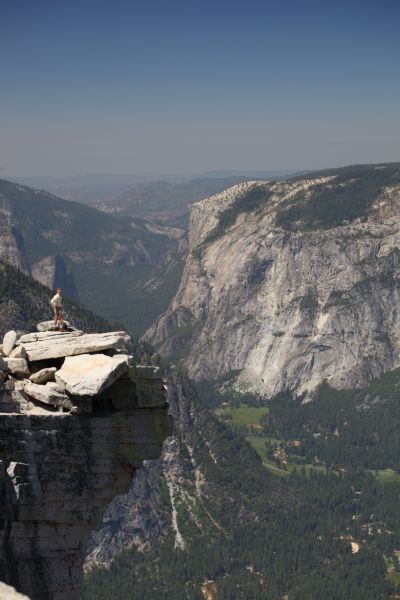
(71, 371)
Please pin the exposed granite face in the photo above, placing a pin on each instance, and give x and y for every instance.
(57, 475)
(278, 309)
(49, 345)
(52, 271)
(12, 246)
(59, 470)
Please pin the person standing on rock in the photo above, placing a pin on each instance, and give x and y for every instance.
(56, 303)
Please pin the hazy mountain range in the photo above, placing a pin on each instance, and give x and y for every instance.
(97, 186)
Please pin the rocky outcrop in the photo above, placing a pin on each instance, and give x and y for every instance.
(275, 308)
(57, 344)
(52, 271)
(48, 393)
(17, 366)
(88, 375)
(64, 454)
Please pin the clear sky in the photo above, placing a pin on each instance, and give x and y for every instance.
(172, 86)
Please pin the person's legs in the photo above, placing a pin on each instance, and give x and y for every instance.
(59, 317)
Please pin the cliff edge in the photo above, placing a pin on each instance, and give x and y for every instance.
(291, 283)
(77, 419)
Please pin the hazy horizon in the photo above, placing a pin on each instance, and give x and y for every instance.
(177, 88)
(149, 176)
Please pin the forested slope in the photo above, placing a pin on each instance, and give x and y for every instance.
(262, 530)
(24, 302)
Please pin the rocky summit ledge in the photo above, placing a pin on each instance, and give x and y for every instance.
(77, 418)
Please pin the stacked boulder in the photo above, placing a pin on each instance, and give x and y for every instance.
(70, 371)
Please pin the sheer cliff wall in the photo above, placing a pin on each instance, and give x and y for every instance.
(57, 475)
(77, 419)
(274, 303)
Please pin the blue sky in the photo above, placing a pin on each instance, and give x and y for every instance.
(172, 87)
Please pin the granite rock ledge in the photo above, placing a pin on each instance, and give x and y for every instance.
(64, 455)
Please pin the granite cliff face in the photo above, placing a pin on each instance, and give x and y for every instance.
(203, 486)
(141, 518)
(77, 419)
(12, 247)
(52, 271)
(291, 283)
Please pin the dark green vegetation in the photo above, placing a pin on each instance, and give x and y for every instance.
(112, 262)
(298, 553)
(321, 521)
(244, 418)
(347, 197)
(24, 303)
(357, 429)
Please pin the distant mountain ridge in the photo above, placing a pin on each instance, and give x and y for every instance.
(163, 201)
(140, 194)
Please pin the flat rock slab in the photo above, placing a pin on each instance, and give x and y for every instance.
(51, 393)
(88, 375)
(40, 336)
(44, 375)
(57, 345)
(9, 341)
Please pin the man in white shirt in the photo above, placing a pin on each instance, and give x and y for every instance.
(56, 303)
